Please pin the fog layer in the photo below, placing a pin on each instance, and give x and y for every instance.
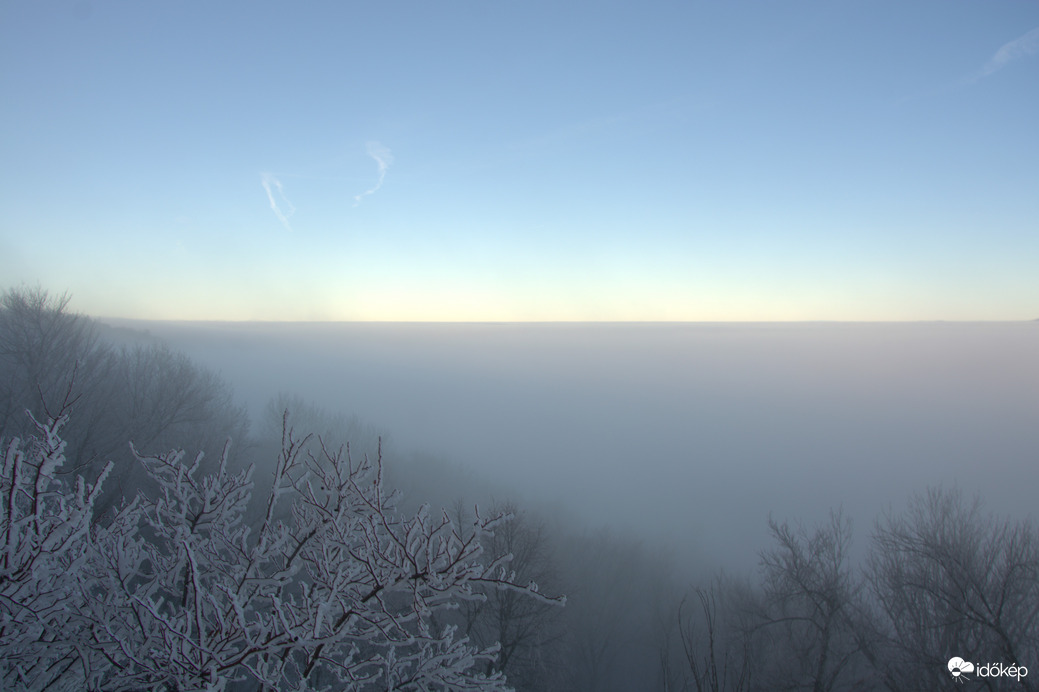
(692, 433)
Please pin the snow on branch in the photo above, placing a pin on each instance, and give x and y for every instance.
(328, 586)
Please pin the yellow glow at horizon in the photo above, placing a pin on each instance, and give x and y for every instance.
(458, 304)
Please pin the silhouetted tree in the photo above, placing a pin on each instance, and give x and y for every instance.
(808, 610)
(333, 427)
(48, 356)
(950, 580)
(714, 651)
(612, 585)
(529, 632)
(52, 359)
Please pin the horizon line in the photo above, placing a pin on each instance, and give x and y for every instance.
(567, 322)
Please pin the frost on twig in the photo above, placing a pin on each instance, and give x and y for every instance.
(44, 544)
(330, 587)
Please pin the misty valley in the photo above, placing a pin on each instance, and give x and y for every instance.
(528, 506)
(538, 346)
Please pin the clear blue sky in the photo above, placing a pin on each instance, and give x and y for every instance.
(500, 160)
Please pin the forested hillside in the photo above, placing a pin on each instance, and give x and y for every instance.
(151, 539)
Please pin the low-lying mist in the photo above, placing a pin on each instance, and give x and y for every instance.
(687, 435)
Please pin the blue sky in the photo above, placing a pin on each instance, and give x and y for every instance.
(523, 161)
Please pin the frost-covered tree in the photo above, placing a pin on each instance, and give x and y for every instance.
(44, 549)
(331, 588)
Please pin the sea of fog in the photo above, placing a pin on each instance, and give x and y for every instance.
(688, 434)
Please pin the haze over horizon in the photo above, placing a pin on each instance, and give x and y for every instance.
(118, 319)
(803, 161)
(689, 435)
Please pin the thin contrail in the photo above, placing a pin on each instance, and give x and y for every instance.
(267, 180)
(1020, 47)
(383, 157)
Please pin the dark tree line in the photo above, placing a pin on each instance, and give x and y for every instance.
(941, 580)
(52, 359)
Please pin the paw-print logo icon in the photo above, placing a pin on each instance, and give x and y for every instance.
(957, 667)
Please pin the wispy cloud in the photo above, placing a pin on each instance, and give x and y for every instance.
(1019, 48)
(383, 157)
(273, 188)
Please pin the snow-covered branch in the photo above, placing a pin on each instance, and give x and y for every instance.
(330, 586)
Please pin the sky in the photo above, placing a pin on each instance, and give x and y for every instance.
(534, 161)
